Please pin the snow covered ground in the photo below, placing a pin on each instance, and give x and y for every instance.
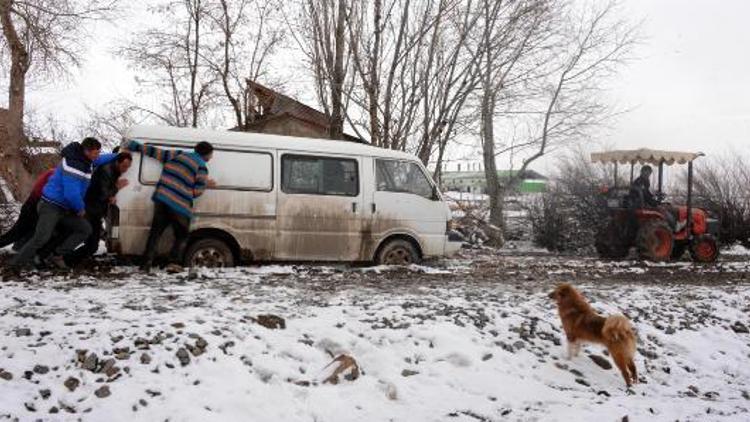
(474, 338)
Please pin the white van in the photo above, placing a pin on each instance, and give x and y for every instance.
(282, 198)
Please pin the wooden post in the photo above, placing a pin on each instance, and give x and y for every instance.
(661, 175)
(689, 224)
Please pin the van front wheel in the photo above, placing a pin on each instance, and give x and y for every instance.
(209, 252)
(398, 252)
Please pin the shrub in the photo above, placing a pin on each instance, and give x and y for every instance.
(722, 186)
(566, 217)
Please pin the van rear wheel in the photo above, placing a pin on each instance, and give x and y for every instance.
(398, 252)
(209, 252)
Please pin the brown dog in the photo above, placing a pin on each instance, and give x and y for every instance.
(582, 324)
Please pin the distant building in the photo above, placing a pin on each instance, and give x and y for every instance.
(475, 182)
(279, 114)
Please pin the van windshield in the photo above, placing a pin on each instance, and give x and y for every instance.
(402, 176)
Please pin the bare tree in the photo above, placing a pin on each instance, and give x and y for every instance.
(413, 68)
(169, 59)
(111, 122)
(596, 46)
(387, 39)
(722, 186)
(248, 33)
(452, 64)
(322, 37)
(563, 58)
(512, 34)
(47, 127)
(41, 38)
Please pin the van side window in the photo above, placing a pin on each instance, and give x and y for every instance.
(402, 176)
(233, 170)
(319, 175)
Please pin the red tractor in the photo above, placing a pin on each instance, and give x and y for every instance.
(659, 233)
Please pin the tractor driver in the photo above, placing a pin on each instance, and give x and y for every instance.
(642, 187)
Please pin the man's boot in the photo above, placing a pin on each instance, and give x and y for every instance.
(57, 261)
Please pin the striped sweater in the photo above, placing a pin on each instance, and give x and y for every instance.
(183, 177)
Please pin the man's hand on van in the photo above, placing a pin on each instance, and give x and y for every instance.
(211, 183)
(133, 146)
(122, 183)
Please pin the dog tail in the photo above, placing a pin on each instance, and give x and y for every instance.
(618, 329)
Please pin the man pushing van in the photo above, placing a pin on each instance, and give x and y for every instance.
(62, 203)
(183, 178)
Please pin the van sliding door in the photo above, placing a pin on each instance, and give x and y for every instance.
(319, 207)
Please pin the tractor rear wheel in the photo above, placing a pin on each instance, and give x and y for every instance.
(655, 241)
(704, 249)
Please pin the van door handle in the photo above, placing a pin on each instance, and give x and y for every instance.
(373, 207)
(354, 207)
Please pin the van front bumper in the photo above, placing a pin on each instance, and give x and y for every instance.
(453, 242)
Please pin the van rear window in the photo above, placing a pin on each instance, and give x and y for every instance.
(306, 174)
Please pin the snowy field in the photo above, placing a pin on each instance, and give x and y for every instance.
(469, 339)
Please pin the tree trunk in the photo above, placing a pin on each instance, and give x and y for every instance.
(225, 72)
(194, 97)
(425, 150)
(11, 142)
(438, 175)
(337, 83)
(495, 192)
(374, 88)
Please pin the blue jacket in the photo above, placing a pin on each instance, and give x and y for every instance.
(67, 186)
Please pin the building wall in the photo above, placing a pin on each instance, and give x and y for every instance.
(475, 183)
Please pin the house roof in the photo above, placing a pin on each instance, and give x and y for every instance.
(277, 105)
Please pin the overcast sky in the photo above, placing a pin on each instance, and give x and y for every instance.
(689, 89)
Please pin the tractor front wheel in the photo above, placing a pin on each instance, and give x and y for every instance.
(655, 241)
(704, 249)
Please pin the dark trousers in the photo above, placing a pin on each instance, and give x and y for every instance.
(91, 245)
(24, 226)
(164, 217)
(49, 217)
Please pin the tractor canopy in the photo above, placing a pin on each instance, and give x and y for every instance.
(644, 156)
